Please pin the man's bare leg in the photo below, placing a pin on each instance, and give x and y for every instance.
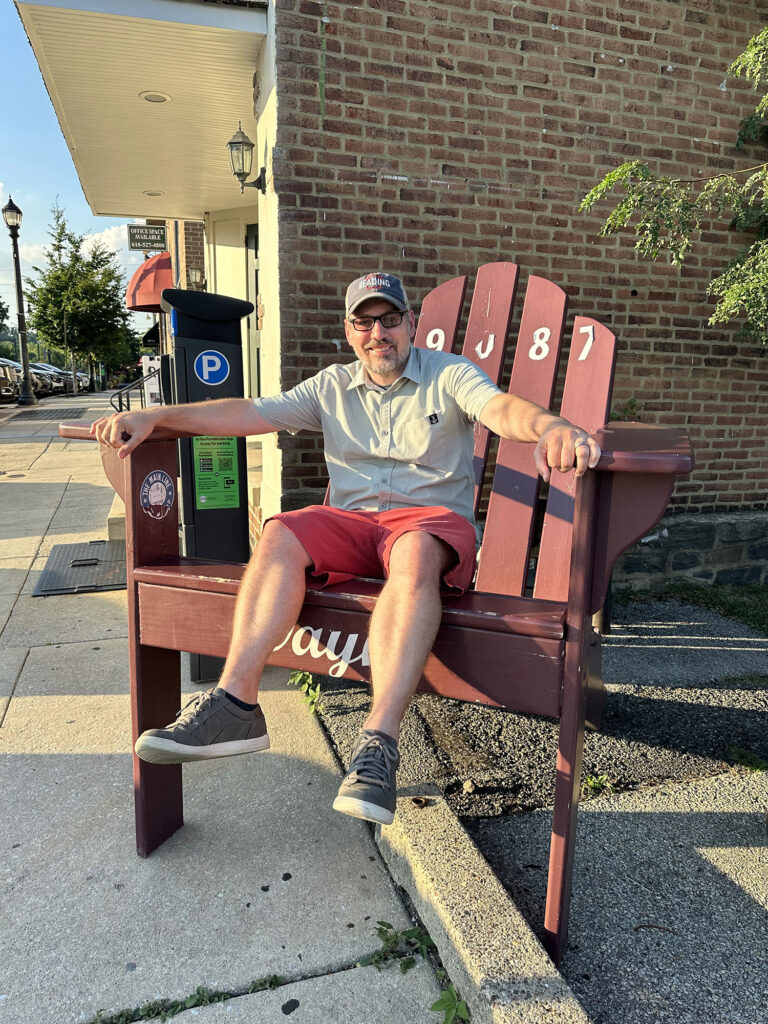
(268, 605)
(404, 625)
(402, 631)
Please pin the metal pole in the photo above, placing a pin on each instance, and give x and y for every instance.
(26, 397)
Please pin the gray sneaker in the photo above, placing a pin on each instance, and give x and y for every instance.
(369, 788)
(209, 725)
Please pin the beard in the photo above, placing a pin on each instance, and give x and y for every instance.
(387, 361)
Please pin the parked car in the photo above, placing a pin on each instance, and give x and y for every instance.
(40, 386)
(55, 376)
(13, 367)
(9, 388)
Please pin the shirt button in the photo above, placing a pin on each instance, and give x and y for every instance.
(384, 433)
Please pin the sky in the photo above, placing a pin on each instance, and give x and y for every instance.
(36, 169)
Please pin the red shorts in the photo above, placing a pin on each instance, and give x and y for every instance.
(343, 544)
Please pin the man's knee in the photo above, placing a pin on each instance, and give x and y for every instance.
(421, 555)
(278, 544)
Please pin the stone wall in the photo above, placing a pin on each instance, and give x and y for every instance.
(698, 549)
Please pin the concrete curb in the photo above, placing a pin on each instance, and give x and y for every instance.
(505, 975)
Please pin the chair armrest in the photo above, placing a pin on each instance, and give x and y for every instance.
(644, 448)
(81, 432)
(637, 473)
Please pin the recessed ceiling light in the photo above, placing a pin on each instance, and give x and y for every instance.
(153, 96)
(153, 193)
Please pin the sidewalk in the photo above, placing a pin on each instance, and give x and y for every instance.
(264, 879)
(668, 920)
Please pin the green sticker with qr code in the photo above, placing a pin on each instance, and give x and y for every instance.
(217, 484)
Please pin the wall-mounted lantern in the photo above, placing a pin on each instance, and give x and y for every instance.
(241, 159)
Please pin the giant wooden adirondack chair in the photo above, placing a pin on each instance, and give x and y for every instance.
(537, 654)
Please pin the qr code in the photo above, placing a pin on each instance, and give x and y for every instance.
(206, 465)
(225, 463)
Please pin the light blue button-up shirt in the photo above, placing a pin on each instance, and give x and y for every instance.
(408, 444)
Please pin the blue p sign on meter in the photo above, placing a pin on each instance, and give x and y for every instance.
(211, 367)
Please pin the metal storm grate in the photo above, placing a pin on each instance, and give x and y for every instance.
(50, 414)
(80, 568)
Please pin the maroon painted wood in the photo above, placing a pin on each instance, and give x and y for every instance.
(572, 720)
(586, 401)
(467, 663)
(498, 613)
(503, 567)
(536, 655)
(485, 340)
(155, 673)
(440, 315)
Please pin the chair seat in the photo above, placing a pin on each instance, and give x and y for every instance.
(500, 613)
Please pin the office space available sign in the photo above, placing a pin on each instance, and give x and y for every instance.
(147, 237)
(216, 472)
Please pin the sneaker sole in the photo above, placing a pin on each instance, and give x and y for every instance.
(157, 750)
(363, 809)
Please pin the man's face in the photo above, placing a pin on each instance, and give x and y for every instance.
(383, 351)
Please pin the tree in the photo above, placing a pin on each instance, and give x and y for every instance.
(668, 212)
(4, 317)
(77, 299)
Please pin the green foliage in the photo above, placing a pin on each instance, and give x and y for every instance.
(627, 413)
(397, 947)
(5, 314)
(753, 65)
(746, 602)
(451, 1006)
(165, 1009)
(667, 213)
(747, 759)
(594, 785)
(80, 294)
(309, 688)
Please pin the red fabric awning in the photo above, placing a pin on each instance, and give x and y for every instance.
(146, 285)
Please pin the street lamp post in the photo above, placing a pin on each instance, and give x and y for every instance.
(12, 217)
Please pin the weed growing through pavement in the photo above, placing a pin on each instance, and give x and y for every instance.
(451, 1005)
(309, 688)
(593, 785)
(164, 1009)
(397, 947)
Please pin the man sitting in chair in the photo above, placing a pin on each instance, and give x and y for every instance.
(398, 437)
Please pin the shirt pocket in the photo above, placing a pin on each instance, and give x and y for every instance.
(423, 441)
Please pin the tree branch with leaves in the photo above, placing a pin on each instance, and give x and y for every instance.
(667, 213)
(80, 294)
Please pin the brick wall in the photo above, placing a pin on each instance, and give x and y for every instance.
(191, 248)
(428, 137)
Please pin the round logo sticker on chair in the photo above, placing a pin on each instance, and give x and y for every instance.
(156, 494)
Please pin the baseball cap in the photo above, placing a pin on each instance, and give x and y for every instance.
(376, 286)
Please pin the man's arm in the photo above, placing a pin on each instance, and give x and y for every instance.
(560, 445)
(225, 417)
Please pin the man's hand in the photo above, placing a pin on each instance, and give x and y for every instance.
(562, 447)
(125, 430)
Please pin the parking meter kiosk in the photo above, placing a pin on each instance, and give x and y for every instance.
(207, 363)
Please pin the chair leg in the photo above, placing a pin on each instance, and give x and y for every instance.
(155, 700)
(567, 787)
(595, 688)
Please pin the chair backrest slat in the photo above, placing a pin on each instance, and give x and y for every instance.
(512, 505)
(586, 402)
(485, 340)
(440, 315)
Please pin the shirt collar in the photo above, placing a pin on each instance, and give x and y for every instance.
(411, 371)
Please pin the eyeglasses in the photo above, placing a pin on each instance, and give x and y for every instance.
(365, 323)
